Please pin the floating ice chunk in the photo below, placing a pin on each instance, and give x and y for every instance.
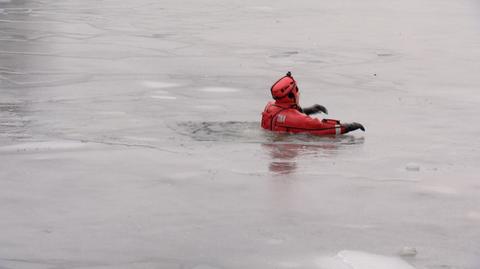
(408, 251)
(43, 146)
(219, 89)
(163, 97)
(347, 259)
(412, 167)
(158, 84)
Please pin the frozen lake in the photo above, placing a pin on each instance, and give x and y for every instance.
(130, 137)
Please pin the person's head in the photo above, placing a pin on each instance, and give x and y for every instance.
(285, 90)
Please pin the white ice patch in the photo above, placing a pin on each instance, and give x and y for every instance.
(43, 146)
(408, 252)
(219, 89)
(141, 139)
(439, 190)
(261, 8)
(347, 259)
(473, 215)
(160, 92)
(163, 97)
(158, 84)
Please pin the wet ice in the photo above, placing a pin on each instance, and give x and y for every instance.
(130, 135)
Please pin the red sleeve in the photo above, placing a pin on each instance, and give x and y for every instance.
(297, 122)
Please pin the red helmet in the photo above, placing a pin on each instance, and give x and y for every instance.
(285, 90)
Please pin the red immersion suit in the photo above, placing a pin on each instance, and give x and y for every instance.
(285, 115)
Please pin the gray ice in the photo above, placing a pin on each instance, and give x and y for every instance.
(130, 137)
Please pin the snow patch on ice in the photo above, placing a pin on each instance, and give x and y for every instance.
(158, 84)
(219, 89)
(43, 146)
(348, 259)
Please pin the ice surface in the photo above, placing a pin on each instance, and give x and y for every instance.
(130, 134)
(360, 260)
(218, 89)
(412, 167)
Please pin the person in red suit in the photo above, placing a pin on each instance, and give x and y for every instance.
(285, 114)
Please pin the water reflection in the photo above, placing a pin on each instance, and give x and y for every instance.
(286, 150)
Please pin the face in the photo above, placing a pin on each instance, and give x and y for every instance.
(296, 92)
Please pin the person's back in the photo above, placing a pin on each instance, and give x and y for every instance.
(285, 115)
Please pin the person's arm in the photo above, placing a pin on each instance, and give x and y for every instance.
(314, 109)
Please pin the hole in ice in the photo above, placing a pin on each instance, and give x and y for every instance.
(219, 89)
(347, 259)
(251, 132)
(221, 131)
(158, 84)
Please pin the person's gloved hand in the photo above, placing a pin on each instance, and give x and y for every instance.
(315, 109)
(352, 126)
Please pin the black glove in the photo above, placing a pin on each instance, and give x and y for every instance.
(352, 126)
(314, 109)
